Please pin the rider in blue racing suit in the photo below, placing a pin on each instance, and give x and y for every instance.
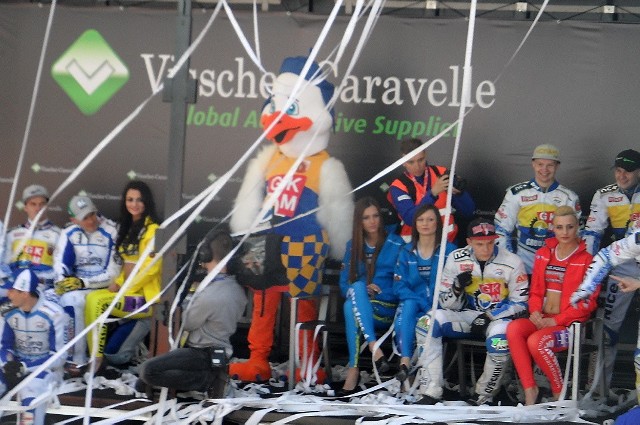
(85, 259)
(33, 332)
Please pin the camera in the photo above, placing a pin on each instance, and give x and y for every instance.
(458, 182)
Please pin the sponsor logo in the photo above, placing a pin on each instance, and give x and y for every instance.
(616, 246)
(499, 344)
(533, 242)
(239, 82)
(489, 293)
(493, 381)
(35, 252)
(90, 72)
(561, 338)
(134, 175)
(36, 168)
(529, 198)
(615, 198)
(521, 186)
(29, 345)
(289, 199)
(546, 216)
(460, 254)
(101, 196)
(612, 294)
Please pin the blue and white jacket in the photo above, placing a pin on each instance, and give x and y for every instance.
(384, 268)
(91, 257)
(410, 283)
(34, 337)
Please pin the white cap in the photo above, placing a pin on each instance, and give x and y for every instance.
(33, 191)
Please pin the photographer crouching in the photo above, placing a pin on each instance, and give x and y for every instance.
(210, 319)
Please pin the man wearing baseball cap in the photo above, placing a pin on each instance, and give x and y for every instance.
(42, 323)
(483, 288)
(85, 259)
(528, 207)
(31, 245)
(615, 207)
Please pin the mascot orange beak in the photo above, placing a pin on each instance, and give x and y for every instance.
(286, 128)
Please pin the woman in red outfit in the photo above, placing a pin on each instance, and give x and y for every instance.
(558, 270)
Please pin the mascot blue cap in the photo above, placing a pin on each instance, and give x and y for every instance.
(294, 65)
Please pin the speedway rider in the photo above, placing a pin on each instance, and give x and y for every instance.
(33, 332)
(35, 253)
(625, 250)
(528, 206)
(484, 287)
(85, 259)
(616, 206)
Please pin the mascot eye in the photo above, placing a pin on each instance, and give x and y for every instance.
(293, 109)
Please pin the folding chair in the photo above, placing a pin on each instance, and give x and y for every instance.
(318, 327)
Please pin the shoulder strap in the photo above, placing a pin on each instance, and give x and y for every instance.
(409, 184)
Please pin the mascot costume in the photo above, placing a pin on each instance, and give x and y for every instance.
(319, 181)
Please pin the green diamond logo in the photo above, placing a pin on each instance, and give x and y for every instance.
(36, 167)
(131, 174)
(212, 177)
(90, 72)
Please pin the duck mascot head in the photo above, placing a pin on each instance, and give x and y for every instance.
(300, 126)
(305, 120)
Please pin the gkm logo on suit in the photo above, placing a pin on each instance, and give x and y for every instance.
(290, 197)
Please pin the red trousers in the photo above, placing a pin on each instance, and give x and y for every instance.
(526, 342)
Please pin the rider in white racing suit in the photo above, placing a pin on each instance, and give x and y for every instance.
(32, 333)
(35, 252)
(86, 257)
(528, 206)
(495, 288)
(617, 207)
(625, 250)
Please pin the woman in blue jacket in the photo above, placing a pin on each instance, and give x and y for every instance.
(366, 282)
(415, 279)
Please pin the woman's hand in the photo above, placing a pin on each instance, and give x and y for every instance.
(373, 290)
(536, 319)
(548, 322)
(626, 284)
(114, 287)
(540, 321)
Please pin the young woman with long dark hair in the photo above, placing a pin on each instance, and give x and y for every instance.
(137, 227)
(415, 279)
(366, 281)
